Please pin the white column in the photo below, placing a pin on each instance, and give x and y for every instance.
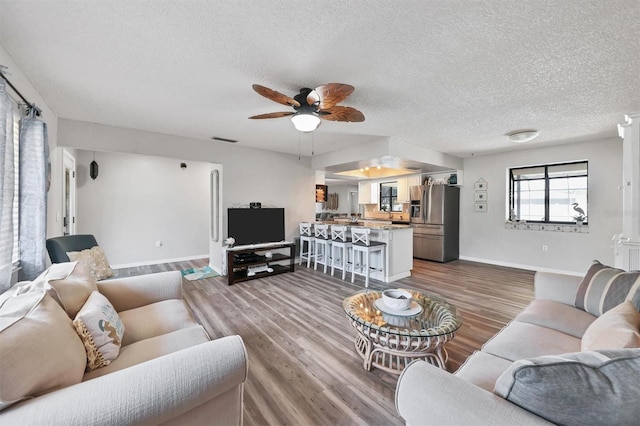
(630, 132)
(627, 247)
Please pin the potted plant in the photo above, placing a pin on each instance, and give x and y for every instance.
(579, 218)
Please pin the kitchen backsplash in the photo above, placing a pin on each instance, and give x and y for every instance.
(373, 211)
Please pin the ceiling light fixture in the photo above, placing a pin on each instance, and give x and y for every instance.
(521, 136)
(305, 122)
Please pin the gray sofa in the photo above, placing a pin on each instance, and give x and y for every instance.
(168, 371)
(505, 382)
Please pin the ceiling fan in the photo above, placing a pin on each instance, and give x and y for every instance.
(312, 105)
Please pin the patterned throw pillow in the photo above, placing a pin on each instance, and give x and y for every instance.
(100, 329)
(583, 388)
(618, 328)
(603, 288)
(94, 261)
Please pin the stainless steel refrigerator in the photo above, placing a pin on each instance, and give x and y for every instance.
(436, 226)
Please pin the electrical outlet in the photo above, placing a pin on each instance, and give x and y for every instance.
(158, 243)
(545, 247)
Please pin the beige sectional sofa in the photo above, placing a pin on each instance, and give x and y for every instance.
(554, 363)
(167, 371)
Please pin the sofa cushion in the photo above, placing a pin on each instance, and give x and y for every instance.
(94, 260)
(603, 288)
(155, 319)
(585, 388)
(151, 348)
(618, 328)
(483, 369)
(557, 316)
(68, 283)
(100, 329)
(520, 340)
(39, 348)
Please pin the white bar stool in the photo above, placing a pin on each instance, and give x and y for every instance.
(363, 247)
(306, 236)
(340, 249)
(322, 246)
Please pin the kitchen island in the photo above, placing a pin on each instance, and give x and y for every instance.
(398, 253)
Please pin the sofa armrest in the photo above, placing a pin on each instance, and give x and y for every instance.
(134, 292)
(426, 394)
(557, 287)
(149, 393)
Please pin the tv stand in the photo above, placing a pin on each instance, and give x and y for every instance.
(261, 267)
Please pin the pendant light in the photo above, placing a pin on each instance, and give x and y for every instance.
(93, 167)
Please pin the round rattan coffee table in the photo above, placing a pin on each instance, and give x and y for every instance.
(390, 340)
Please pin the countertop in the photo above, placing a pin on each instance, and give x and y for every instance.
(383, 226)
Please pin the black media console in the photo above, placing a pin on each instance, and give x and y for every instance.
(250, 262)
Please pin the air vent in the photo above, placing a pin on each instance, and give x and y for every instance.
(224, 139)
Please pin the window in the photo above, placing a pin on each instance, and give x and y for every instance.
(389, 197)
(552, 193)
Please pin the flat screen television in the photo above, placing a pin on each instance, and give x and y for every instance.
(254, 226)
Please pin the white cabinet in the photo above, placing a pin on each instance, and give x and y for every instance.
(404, 185)
(364, 192)
(368, 192)
(375, 192)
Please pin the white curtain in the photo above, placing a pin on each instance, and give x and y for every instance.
(34, 164)
(6, 187)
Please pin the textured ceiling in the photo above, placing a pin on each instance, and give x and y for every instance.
(453, 76)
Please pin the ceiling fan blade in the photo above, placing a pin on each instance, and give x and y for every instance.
(341, 113)
(275, 96)
(273, 115)
(329, 94)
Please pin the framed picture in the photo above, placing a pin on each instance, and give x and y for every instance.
(481, 186)
(321, 193)
(481, 206)
(481, 196)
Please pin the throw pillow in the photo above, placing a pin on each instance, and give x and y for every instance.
(68, 283)
(39, 349)
(100, 329)
(603, 288)
(583, 388)
(94, 260)
(617, 328)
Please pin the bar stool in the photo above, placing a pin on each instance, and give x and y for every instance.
(306, 236)
(363, 247)
(322, 246)
(340, 249)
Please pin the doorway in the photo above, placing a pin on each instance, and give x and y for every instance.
(354, 207)
(68, 193)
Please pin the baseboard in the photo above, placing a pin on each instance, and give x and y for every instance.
(521, 266)
(159, 261)
(217, 270)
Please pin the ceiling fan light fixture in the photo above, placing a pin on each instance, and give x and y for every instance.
(522, 136)
(305, 122)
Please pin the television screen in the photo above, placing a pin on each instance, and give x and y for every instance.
(253, 226)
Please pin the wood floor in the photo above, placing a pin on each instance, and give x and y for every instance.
(303, 368)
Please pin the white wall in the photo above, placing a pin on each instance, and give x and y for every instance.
(274, 179)
(137, 200)
(483, 236)
(22, 83)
